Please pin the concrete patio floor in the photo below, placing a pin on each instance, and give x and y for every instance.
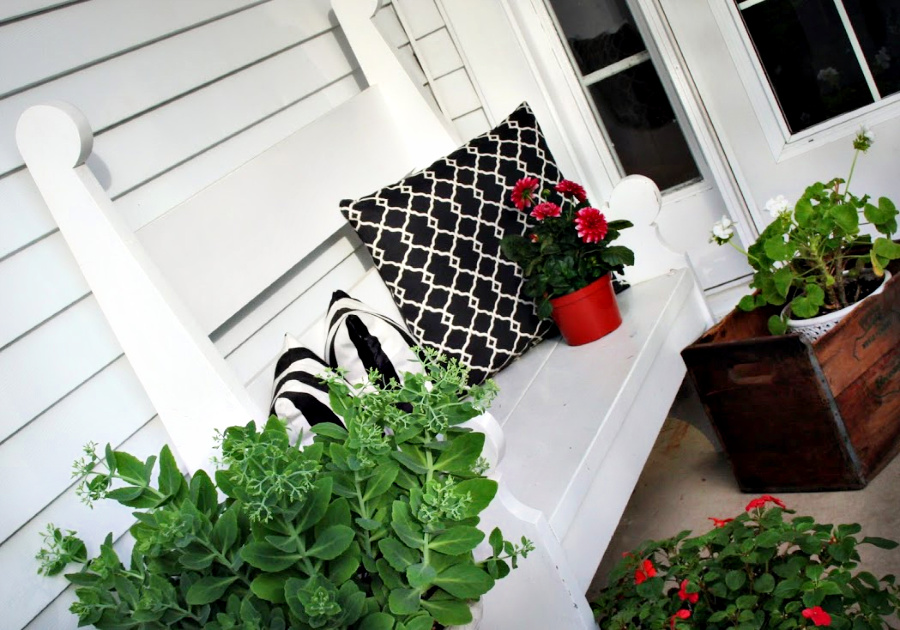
(686, 481)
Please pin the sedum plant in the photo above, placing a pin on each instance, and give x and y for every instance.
(371, 527)
(756, 571)
(814, 255)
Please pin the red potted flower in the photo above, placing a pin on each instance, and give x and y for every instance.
(567, 258)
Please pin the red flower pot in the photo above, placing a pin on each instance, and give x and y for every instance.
(587, 314)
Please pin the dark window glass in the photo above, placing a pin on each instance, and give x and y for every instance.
(599, 33)
(642, 127)
(808, 58)
(877, 26)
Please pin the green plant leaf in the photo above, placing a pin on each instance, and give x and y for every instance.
(881, 543)
(403, 525)
(735, 579)
(777, 249)
(747, 303)
(886, 248)
(481, 491)
(368, 524)
(203, 493)
(331, 543)
(381, 480)
(412, 463)
(787, 588)
(617, 255)
(345, 565)
(420, 576)
(404, 601)
(421, 622)
(777, 325)
(208, 589)
(262, 555)
(196, 561)
(464, 451)
(270, 587)
(131, 468)
(846, 217)
(457, 540)
(783, 278)
(331, 430)
(170, 478)
(316, 504)
(465, 581)
(398, 555)
(377, 621)
(449, 612)
(765, 583)
(225, 531)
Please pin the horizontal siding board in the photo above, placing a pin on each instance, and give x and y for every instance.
(37, 283)
(438, 54)
(157, 73)
(14, 9)
(23, 214)
(186, 127)
(140, 206)
(40, 368)
(472, 124)
(456, 93)
(108, 408)
(56, 42)
(26, 594)
(421, 17)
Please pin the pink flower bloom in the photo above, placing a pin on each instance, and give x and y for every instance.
(544, 210)
(571, 189)
(591, 225)
(524, 192)
(819, 617)
(681, 614)
(720, 522)
(684, 595)
(534, 238)
(761, 502)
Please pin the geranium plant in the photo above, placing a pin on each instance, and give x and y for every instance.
(569, 246)
(371, 527)
(756, 570)
(814, 254)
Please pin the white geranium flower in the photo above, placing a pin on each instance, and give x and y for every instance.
(777, 205)
(722, 231)
(864, 139)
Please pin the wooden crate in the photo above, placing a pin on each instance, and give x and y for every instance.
(795, 416)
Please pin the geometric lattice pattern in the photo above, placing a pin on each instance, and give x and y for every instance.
(435, 238)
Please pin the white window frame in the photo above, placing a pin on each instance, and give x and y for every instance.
(784, 144)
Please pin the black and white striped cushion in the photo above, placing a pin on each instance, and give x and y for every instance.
(360, 339)
(299, 395)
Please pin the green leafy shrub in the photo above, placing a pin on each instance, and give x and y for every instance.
(757, 570)
(814, 254)
(372, 527)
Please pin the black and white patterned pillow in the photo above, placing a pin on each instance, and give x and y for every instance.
(360, 339)
(299, 395)
(435, 238)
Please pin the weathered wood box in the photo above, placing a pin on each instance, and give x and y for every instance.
(794, 416)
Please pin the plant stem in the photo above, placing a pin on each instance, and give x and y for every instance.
(850, 176)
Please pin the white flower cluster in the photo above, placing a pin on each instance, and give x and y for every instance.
(777, 205)
(722, 231)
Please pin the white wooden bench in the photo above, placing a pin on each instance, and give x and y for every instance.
(258, 253)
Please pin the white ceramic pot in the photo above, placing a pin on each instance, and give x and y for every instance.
(814, 327)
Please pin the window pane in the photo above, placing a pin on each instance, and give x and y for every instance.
(877, 26)
(807, 55)
(599, 33)
(642, 127)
